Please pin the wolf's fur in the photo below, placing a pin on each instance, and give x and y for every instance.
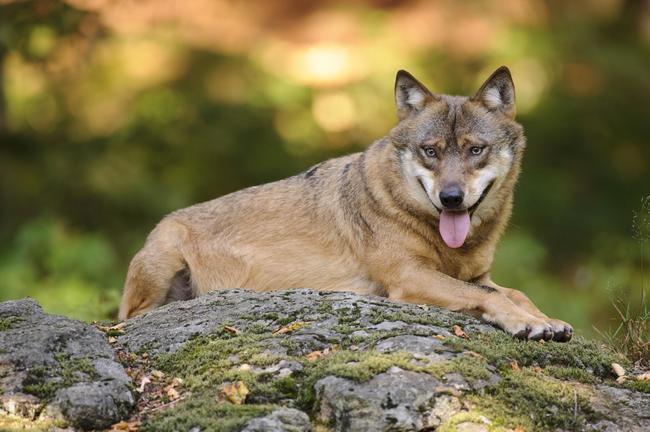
(366, 222)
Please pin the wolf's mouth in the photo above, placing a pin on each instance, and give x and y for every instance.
(472, 209)
(454, 225)
(481, 198)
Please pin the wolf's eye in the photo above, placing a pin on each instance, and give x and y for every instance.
(430, 152)
(476, 150)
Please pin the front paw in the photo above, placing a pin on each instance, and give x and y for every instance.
(531, 329)
(562, 332)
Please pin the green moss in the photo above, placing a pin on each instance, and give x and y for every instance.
(640, 386)
(536, 402)
(471, 368)
(378, 315)
(570, 374)
(205, 413)
(344, 329)
(258, 328)
(349, 315)
(500, 349)
(11, 423)
(285, 320)
(44, 382)
(209, 352)
(325, 307)
(7, 322)
(451, 425)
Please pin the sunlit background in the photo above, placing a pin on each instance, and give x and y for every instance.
(114, 113)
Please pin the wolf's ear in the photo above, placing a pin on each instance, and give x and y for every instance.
(410, 94)
(498, 93)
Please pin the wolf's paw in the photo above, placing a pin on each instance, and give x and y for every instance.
(533, 330)
(562, 332)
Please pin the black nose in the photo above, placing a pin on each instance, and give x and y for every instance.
(451, 196)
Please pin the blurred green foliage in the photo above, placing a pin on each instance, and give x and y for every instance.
(111, 118)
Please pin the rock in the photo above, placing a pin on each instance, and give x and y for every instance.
(308, 361)
(243, 309)
(394, 400)
(55, 367)
(280, 420)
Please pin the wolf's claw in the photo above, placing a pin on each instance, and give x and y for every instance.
(564, 335)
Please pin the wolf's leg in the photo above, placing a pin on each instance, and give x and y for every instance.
(562, 331)
(216, 267)
(409, 282)
(155, 271)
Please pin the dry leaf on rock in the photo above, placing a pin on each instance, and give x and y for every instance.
(459, 331)
(289, 328)
(126, 426)
(235, 392)
(157, 374)
(231, 329)
(314, 355)
(143, 383)
(172, 393)
(618, 369)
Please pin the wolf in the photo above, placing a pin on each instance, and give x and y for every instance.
(416, 217)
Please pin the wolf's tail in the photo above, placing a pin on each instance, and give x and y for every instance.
(158, 273)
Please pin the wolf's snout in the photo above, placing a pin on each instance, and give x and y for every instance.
(452, 196)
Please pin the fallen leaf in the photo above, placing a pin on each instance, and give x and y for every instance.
(235, 392)
(514, 365)
(289, 328)
(618, 369)
(143, 383)
(314, 355)
(459, 331)
(441, 337)
(231, 330)
(177, 381)
(475, 354)
(245, 367)
(112, 339)
(621, 379)
(519, 429)
(172, 393)
(115, 330)
(157, 374)
(126, 426)
(541, 341)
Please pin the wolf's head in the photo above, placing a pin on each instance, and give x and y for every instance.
(459, 155)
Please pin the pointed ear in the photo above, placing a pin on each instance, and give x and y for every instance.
(410, 95)
(498, 93)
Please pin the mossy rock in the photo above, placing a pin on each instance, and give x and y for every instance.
(351, 362)
(55, 371)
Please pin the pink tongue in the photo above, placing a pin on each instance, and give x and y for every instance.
(454, 227)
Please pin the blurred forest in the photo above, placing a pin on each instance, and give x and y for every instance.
(114, 113)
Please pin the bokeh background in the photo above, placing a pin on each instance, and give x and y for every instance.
(114, 113)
